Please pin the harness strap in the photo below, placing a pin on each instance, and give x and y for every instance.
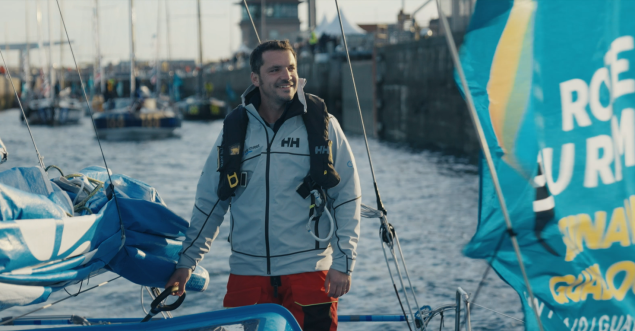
(230, 151)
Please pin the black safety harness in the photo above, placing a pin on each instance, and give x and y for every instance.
(322, 175)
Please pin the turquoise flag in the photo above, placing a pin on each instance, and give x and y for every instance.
(554, 86)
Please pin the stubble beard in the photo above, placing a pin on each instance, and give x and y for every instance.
(270, 92)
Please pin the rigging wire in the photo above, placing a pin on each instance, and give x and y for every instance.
(488, 157)
(387, 228)
(81, 81)
(380, 204)
(252, 21)
(498, 312)
(58, 301)
(26, 121)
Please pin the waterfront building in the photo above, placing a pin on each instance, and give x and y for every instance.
(278, 21)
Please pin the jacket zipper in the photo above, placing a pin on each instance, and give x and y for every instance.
(267, 200)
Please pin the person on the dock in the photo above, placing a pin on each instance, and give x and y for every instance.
(280, 154)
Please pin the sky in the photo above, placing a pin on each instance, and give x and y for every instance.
(220, 18)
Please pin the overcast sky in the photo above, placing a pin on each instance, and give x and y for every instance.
(221, 34)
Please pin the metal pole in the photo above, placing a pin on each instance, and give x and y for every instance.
(168, 45)
(467, 307)
(457, 320)
(50, 55)
(200, 50)
(27, 67)
(61, 51)
(96, 37)
(157, 63)
(488, 157)
(132, 41)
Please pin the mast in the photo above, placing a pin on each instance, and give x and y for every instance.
(98, 69)
(167, 25)
(157, 65)
(50, 55)
(132, 73)
(61, 49)
(167, 32)
(43, 73)
(200, 50)
(27, 60)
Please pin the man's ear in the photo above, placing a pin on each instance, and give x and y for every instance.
(255, 80)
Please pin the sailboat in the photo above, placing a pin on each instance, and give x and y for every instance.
(55, 106)
(139, 116)
(200, 106)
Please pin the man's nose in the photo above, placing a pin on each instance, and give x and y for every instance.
(285, 74)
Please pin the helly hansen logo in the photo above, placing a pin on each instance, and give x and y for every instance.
(291, 142)
(322, 150)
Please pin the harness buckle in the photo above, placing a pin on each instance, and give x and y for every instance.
(235, 181)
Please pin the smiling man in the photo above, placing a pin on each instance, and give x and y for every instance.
(285, 167)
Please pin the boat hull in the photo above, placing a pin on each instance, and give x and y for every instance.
(46, 112)
(202, 110)
(136, 126)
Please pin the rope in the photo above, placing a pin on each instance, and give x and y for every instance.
(54, 167)
(380, 204)
(81, 81)
(488, 157)
(78, 291)
(58, 301)
(26, 121)
(252, 20)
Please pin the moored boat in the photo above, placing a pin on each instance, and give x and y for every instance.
(206, 109)
(129, 119)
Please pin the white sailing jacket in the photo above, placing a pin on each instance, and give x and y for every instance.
(268, 233)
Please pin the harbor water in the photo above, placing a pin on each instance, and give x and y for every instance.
(432, 200)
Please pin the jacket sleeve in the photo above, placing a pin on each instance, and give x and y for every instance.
(207, 215)
(345, 201)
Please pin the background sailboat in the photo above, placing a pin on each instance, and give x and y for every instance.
(201, 106)
(140, 116)
(54, 106)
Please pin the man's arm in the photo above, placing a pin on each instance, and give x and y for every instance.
(207, 216)
(345, 199)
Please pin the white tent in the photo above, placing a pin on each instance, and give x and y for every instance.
(321, 26)
(333, 28)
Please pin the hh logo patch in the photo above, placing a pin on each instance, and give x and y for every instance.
(234, 150)
(291, 142)
(322, 150)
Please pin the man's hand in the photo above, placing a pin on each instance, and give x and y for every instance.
(179, 278)
(337, 283)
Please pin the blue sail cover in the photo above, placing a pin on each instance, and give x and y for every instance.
(554, 86)
(4, 154)
(42, 249)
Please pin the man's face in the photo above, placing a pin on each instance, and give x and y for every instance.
(278, 78)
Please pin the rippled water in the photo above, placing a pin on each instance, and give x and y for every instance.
(431, 200)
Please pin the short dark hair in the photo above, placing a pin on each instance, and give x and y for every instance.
(255, 59)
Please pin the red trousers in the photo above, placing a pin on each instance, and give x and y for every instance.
(302, 294)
